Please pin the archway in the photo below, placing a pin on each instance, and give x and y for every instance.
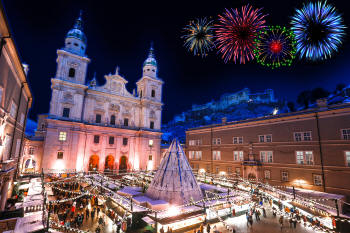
(93, 163)
(123, 164)
(29, 165)
(109, 163)
(251, 176)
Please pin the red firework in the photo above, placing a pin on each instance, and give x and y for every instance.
(236, 32)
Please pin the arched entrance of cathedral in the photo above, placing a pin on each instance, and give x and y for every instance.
(251, 176)
(93, 163)
(123, 164)
(109, 163)
(29, 166)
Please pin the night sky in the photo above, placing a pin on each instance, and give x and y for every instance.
(119, 33)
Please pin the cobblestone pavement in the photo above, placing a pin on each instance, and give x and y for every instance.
(269, 224)
(91, 224)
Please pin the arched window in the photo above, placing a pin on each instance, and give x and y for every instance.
(112, 120)
(71, 72)
(153, 94)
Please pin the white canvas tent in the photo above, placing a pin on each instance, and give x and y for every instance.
(174, 181)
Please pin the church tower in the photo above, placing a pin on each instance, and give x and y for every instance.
(149, 89)
(68, 86)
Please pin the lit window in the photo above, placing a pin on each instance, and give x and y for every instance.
(13, 110)
(317, 180)
(96, 139)
(216, 155)
(237, 140)
(65, 112)
(195, 142)
(62, 136)
(191, 154)
(198, 155)
(60, 155)
(238, 155)
(345, 134)
(284, 176)
(267, 174)
(347, 158)
(266, 156)
(304, 157)
(150, 142)
(111, 140)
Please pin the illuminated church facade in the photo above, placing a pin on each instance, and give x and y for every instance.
(92, 127)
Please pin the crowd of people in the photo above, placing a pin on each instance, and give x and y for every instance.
(83, 210)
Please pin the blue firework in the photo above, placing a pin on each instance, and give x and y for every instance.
(199, 36)
(318, 29)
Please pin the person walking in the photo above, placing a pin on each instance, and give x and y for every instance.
(201, 228)
(281, 222)
(264, 212)
(251, 220)
(87, 213)
(208, 228)
(290, 223)
(161, 230)
(295, 222)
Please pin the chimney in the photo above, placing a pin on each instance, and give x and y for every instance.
(224, 120)
(322, 103)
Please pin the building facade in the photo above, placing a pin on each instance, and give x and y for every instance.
(92, 127)
(15, 101)
(308, 149)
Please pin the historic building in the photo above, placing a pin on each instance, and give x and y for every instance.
(238, 97)
(308, 149)
(15, 101)
(91, 127)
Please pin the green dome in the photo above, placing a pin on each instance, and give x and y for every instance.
(77, 31)
(151, 61)
(77, 34)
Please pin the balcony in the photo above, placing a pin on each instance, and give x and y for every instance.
(119, 126)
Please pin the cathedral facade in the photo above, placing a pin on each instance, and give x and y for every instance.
(92, 127)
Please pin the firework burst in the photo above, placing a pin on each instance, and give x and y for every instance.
(275, 47)
(236, 32)
(319, 30)
(199, 37)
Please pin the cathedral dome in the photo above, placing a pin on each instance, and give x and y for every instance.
(77, 34)
(77, 30)
(151, 61)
